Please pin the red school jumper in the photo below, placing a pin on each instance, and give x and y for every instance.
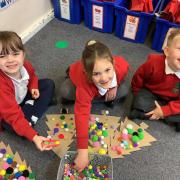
(151, 75)
(10, 110)
(85, 92)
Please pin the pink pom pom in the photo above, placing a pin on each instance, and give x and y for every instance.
(114, 148)
(125, 136)
(96, 144)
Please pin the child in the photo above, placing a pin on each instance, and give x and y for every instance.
(97, 74)
(156, 85)
(23, 99)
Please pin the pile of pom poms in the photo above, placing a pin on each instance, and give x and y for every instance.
(92, 172)
(97, 133)
(63, 126)
(10, 169)
(129, 139)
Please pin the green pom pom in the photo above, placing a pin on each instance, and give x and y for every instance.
(70, 126)
(130, 131)
(62, 117)
(141, 135)
(66, 178)
(95, 138)
(91, 171)
(32, 175)
(105, 133)
(140, 130)
(135, 139)
(84, 172)
(7, 176)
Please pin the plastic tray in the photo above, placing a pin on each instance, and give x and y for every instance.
(94, 158)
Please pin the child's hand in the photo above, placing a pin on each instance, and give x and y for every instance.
(39, 141)
(35, 93)
(111, 94)
(51, 143)
(155, 114)
(81, 160)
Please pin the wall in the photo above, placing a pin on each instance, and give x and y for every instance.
(26, 17)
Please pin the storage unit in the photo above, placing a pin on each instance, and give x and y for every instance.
(93, 158)
(99, 15)
(130, 25)
(68, 10)
(162, 27)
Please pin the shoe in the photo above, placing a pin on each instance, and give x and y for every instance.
(109, 104)
(64, 111)
(177, 127)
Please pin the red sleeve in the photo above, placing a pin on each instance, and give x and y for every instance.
(141, 75)
(12, 114)
(121, 68)
(172, 108)
(33, 81)
(82, 113)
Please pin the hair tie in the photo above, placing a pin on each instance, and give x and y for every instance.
(91, 42)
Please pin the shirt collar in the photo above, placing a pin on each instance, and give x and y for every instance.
(168, 70)
(24, 75)
(102, 91)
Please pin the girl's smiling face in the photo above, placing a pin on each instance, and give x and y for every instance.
(103, 73)
(11, 63)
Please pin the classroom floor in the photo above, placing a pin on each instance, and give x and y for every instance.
(161, 161)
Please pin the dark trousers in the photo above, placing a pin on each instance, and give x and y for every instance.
(144, 102)
(46, 89)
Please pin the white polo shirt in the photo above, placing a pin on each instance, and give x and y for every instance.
(20, 85)
(168, 70)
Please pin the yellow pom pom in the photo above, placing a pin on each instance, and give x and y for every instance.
(99, 133)
(130, 146)
(2, 172)
(22, 167)
(102, 151)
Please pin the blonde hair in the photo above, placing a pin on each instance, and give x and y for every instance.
(94, 50)
(173, 33)
(10, 42)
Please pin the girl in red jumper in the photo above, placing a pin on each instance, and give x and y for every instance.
(98, 75)
(156, 85)
(23, 99)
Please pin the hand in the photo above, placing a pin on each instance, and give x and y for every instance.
(81, 160)
(38, 141)
(111, 94)
(155, 114)
(35, 93)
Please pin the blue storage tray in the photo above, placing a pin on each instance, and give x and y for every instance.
(142, 20)
(103, 13)
(162, 27)
(69, 12)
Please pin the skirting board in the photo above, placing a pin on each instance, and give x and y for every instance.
(37, 26)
